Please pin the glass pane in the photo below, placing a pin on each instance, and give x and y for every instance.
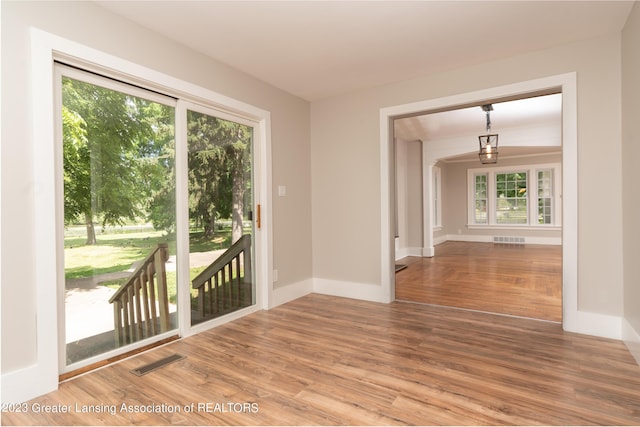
(481, 212)
(220, 202)
(545, 193)
(480, 196)
(511, 202)
(119, 205)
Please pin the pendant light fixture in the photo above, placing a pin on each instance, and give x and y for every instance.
(489, 142)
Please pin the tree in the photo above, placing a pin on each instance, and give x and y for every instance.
(238, 163)
(219, 153)
(119, 162)
(77, 179)
(106, 133)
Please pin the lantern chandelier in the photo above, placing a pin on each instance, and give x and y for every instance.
(489, 142)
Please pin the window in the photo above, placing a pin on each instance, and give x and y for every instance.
(481, 194)
(545, 196)
(514, 196)
(511, 198)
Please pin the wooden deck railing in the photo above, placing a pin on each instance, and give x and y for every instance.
(225, 285)
(141, 305)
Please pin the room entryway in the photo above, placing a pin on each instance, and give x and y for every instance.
(486, 229)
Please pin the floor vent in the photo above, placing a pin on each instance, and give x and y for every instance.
(143, 370)
(508, 240)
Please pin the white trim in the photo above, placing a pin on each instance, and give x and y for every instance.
(440, 239)
(285, 294)
(513, 227)
(22, 385)
(117, 351)
(42, 377)
(568, 85)
(410, 251)
(339, 288)
(474, 238)
(201, 327)
(529, 240)
(531, 169)
(600, 325)
(632, 339)
(429, 251)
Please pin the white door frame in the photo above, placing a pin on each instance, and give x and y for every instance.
(42, 376)
(566, 83)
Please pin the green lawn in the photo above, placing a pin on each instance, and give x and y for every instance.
(117, 251)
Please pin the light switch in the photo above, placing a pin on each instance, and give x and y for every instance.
(282, 190)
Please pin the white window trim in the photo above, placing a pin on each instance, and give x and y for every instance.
(532, 191)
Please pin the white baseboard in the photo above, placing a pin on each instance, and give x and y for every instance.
(405, 252)
(531, 240)
(467, 238)
(428, 251)
(25, 384)
(291, 292)
(631, 338)
(600, 325)
(440, 239)
(361, 291)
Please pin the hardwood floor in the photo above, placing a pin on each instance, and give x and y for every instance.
(519, 280)
(335, 361)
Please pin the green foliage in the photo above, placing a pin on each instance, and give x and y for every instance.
(77, 177)
(113, 152)
(119, 162)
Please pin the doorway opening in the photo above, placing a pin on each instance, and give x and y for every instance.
(564, 84)
(492, 231)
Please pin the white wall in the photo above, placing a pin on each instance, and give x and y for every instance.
(346, 165)
(89, 24)
(409, 198)
(631, 176)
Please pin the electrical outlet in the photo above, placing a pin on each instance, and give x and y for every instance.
(275, 275)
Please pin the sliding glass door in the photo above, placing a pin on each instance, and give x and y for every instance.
(128, 252)
(220, 200)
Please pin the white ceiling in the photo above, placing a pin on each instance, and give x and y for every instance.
(319, 49)
(524, 114)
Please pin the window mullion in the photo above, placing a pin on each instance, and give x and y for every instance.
(532, 196)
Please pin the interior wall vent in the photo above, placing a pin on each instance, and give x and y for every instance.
(142, 370)
(509, 240)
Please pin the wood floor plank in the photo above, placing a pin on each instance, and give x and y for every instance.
(519, 280)
(323, 360)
